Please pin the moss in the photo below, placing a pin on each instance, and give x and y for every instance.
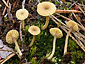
(77, 53)
(43, 42)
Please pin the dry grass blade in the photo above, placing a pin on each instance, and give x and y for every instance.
(2, 25)
(58, 20)
(80, 38)
(1, 60)
(77, 19)
(21, 39)
(81, 45)
(79, 34)
(67, 11)
(5, 3)
(5, 8)
(7, 58)
(64, 28)
(63, 16)
(83, 28)
(80, 9)
(7, 50)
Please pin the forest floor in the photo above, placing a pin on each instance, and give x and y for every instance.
(43, 45)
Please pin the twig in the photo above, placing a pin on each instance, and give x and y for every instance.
(80, 9)
(1, 25)
(74, 3)
(6, 50)
(1, 60)
(5, 8)
(78, 33)
(83, 28)
(81, 43)
(65, 25)
(79, 38)
(77, 19)
(63, 16)
(83, 5)
(5, 3)
(8, 12)
(8, 58)
(67, 11)
(21, 34)
(58, 20)
(70, 35)
(82, 47)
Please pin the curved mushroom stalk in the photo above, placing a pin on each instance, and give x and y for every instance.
(34, 30)
(66, 41)
(17, 47)
(30, 45)
(46, 24)
(53, 51)
(46, 9)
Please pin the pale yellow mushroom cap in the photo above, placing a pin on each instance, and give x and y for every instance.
(56, 32)
(10, 35)
(46, 8)
(73, 25)
(22, 14)
(34, 30)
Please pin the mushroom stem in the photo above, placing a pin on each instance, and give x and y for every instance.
(46, 24)
(32, 41)
(53, 51)
(66, 41)
(17, 47)
(23, 24)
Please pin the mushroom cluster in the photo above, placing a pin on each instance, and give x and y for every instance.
(44, 9)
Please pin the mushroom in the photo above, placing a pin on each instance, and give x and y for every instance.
(22, 14)
(46, 9)
(57, 33)
(34, 30)
(12, 37)
(73, 27)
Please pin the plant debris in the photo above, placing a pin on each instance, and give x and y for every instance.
(65, 11)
